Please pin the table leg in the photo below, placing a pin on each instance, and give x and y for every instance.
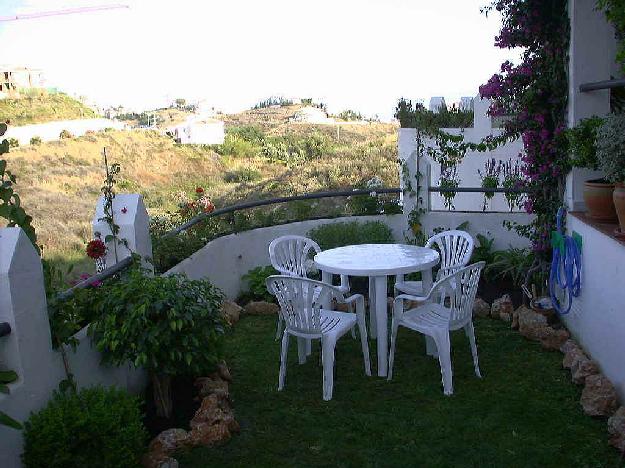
(372, 320)
(381, 324)
(426, 278)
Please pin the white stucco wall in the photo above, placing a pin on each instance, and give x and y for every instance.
(28, 349)
(597, 317)
(225, 260)
(50, 131)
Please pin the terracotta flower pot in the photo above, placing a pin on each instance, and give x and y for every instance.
(598, 199)
(619, 203)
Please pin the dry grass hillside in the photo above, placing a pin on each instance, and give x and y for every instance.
(60, 182)
(43, 108)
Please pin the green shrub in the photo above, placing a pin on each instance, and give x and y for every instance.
(257, 289)
(245, 174)
(96, 427)
(334, 235)
(248, 133)
(582, 143)
(35, 141)
(65, 134)
(611, 147)
(13, 142)
(236, 146)
(169, 325)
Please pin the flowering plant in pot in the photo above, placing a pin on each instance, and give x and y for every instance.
(611, 157)
(582, 142)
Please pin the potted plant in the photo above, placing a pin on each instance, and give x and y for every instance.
(611, 157)
(597, 193)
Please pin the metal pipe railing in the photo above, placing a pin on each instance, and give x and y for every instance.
(106, 273)
(5, 329)
(598, 85)
(272, 201)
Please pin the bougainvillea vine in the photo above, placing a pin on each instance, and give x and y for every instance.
(533, 94)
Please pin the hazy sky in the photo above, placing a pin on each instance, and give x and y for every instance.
(360, 54)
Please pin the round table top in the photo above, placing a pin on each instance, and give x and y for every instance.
(376, 259)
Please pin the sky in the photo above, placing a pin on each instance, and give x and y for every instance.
(356, 54)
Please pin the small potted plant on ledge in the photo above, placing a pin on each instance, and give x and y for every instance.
(611, 157)
(597, 193)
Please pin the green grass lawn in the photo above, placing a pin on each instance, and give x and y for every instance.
(525, 412)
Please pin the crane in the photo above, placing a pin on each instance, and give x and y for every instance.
(66, 11)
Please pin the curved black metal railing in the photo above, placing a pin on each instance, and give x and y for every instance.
(105, 274)
(273, 201)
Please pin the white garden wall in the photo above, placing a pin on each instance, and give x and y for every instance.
(225, 260)
(597, 317)
(28, 349)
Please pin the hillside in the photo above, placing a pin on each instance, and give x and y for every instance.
(41, 109)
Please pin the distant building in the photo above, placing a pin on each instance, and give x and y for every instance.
(13, 80)
(312, 115)
(199, 131)
(436, 103)
(466, 103)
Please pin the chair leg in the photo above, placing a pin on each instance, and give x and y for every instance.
(444, 359)
(279, 328)
(283, 356)
(470, 331)
(391, 356)
(362, 329)
(327, 353)
(350, 309)
(302, 349)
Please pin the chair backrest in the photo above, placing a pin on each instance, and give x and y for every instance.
(291, 255)
(456, 293)
(301, 300)
(455, 248)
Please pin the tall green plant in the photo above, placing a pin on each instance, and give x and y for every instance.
(169, 325)
(615, 13)
(10, 202)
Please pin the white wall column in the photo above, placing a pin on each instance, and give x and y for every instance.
(592, 50)
(130, 214)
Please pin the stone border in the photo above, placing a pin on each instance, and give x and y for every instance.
(599, 398)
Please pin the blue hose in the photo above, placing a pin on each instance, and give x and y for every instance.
(566, 266)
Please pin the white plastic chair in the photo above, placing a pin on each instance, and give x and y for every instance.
(292, 256)
(304, 308)
(455, 248)
(447, 307)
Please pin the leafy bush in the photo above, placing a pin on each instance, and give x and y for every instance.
(582, 143)
(13, 142)
(418, 116)
(273, 101)
(245, 174)
(35, 141)
(249, 133)
(65, 134)
(169, 325)
(512, 264)
(329, 236)
(96, 427)
(611, 147)
(236, 146)
(257, 289)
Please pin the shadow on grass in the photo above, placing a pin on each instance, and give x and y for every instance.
(525, 412)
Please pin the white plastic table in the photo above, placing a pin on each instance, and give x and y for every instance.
(377, 261)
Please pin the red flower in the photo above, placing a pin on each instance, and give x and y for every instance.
(199, 190)
(124, 210)
(96, 249)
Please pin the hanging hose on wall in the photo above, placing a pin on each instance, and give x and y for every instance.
(566, 266)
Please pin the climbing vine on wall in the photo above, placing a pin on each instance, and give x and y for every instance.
(533, 94)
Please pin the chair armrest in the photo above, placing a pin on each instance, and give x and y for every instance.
(398, 305)
(359, 300)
